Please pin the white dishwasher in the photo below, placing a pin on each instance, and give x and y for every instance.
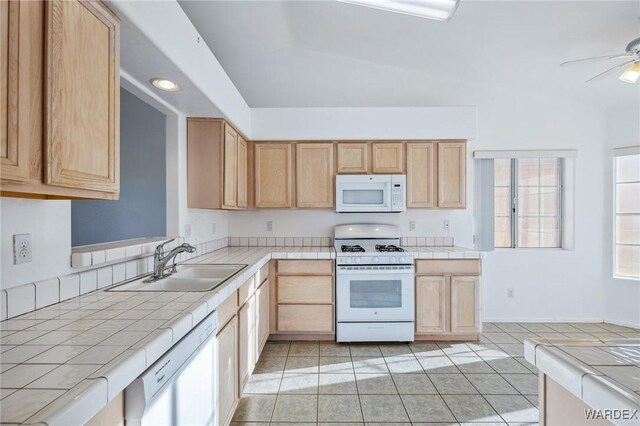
(179, 388)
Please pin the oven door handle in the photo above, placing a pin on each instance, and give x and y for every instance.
(358, 271)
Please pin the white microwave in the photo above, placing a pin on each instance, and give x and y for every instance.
(371, 193)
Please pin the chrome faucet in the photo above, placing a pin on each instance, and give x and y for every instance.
(160, 260)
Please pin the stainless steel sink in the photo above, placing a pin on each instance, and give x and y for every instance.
(187, 278)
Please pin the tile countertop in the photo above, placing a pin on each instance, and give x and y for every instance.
(63, 363)
(603, 374)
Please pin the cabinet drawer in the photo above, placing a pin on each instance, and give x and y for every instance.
(448, 266)
(305, 267)
(262, 274)
(305, 318)
(305, 289)
(227, 309)
(246, 291)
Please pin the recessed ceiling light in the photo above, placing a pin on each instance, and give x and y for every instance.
(164, 84)
(440, 10)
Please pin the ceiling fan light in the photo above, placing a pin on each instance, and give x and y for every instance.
(631, 74)
(439, 10)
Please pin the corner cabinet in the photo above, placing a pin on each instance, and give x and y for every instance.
(216, 165)
(448, 299)
(273, 175)
(314, 175)
(60, 134)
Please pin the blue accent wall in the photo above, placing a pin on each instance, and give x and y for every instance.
(141, 210)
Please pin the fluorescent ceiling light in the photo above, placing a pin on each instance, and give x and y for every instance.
(164, 84)
(631, 74)
(440, 10)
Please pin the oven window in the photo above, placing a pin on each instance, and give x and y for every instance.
(375, 294)
(363, 196)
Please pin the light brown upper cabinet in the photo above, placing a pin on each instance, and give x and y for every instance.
(421, 174)
(242, 192)
(353, 157)
(14, 156)
(216, 165)
(452, 175)
(387, 157)
(314, 175)
(273, 175)
(60, 135)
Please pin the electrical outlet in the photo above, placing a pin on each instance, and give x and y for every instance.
(269, 225)
(213, 228)
(187, 230)
(412, 225)
(445, 225)
(21, 248)
(510, 293)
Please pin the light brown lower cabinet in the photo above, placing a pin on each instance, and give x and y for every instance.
(304, 299)
(112, 414)
(262, 316)
(448, 299)
(247, 348)
(227, 371)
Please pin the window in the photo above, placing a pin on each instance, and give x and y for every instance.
(527, 202)
(627, 216)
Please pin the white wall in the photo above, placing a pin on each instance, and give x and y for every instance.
(554, 285)
(363, 123)
(622, 297)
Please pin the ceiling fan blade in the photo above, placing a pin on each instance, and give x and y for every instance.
(595, 59)
(610, 70)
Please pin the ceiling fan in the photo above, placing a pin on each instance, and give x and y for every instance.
(631, 64)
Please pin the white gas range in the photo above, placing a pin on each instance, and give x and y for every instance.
(374, 284)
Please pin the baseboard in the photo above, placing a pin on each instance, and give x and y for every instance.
(623, 323)
(596, 320)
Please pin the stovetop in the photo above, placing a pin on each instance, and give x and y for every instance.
(380, 248)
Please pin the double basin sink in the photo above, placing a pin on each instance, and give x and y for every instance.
(187, 278)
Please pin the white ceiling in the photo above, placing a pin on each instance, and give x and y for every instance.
(333, 54)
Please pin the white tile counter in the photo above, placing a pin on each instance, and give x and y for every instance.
(603, 374)
(443, 252)
(63, 363)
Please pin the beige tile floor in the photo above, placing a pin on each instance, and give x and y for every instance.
(485, 382)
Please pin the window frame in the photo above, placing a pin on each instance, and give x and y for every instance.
(614, 207)
(514, 217)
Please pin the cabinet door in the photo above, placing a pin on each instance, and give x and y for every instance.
(305, 318)
(432, 311)
(246, 342)
(314, 175)
(465, 308)
(21, 31)
(387, 157)
(262, 316)
(452, 174)
(421, 175)
(242, 173)
(273, 175)
(353, 157)
(230, 167)
(82, 93)
(227, 369)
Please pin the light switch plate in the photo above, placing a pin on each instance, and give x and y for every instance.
(412, 225)
(269, 225)
(187, 230)
(21, 248)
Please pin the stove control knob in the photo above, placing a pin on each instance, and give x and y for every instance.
(392, 260)
(376, 260)
(358, 260)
